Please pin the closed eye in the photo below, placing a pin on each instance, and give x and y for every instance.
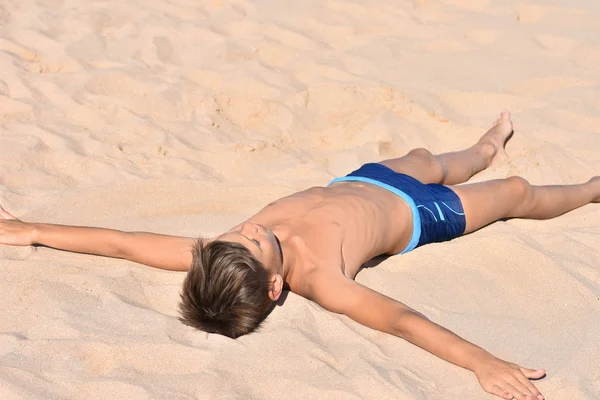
(255, 242)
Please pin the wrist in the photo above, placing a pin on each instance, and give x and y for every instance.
(480, 358)
(35, 235)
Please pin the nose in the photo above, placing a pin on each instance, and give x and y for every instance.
(247, 227)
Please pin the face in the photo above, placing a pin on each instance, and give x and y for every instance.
(261, 242)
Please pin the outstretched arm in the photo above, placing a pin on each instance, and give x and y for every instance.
(370, 308)
(160, 251)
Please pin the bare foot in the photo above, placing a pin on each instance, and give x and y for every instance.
(494, 140)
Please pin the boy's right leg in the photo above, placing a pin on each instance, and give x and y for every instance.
(459, 166)
(514, 197)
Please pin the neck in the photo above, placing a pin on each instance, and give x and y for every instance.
(280, 249)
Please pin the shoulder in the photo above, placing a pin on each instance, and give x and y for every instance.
(314, 265)
(332, 291)
(343, 295)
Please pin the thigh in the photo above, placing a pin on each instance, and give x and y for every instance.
(487, 202)
(418, 163)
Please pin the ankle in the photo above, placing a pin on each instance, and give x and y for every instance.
(487, 151)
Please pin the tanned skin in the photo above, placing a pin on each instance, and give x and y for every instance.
(314, 243)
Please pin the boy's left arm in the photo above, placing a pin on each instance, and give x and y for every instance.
(370, 308)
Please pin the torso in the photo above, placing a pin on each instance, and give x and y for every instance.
(336, 228)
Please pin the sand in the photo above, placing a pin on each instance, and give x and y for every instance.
(186, 117)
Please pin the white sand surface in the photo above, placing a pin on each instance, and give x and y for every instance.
(185, 117)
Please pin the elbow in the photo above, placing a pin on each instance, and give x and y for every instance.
(119, 248)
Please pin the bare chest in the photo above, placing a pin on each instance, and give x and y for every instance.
(340, 228)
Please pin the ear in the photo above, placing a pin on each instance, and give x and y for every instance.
(275, 287)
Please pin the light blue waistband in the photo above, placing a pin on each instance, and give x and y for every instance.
(416, 235)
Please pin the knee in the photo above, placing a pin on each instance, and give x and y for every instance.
(421, 152)
(522, 192)
(431, 161)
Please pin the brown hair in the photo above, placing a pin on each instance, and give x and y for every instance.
(226, 289)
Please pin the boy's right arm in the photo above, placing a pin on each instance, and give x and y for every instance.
(160, 251)
(370, 308)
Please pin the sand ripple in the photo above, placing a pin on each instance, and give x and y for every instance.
(185, 117)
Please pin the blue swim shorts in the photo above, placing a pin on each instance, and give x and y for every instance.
(438, 214)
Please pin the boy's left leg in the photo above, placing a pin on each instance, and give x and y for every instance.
(514, 197)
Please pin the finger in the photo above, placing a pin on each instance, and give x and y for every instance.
(522, 388)
(5, 214)
(533, 373)
(531, 387)
(498, 391)
(514, 392)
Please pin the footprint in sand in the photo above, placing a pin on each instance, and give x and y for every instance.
(470, 5)
(582, 55)
(10, 342)
(286, 36)
(471, 40)
(4, 89)
(528, 13)
(164, 49)
(14, 110)
(531, 13)
(49, 60)
(555, 43)
(5, 16)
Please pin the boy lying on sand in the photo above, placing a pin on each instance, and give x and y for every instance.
(314, 243)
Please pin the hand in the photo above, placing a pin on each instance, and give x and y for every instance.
(14, 231)
(508, 380)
